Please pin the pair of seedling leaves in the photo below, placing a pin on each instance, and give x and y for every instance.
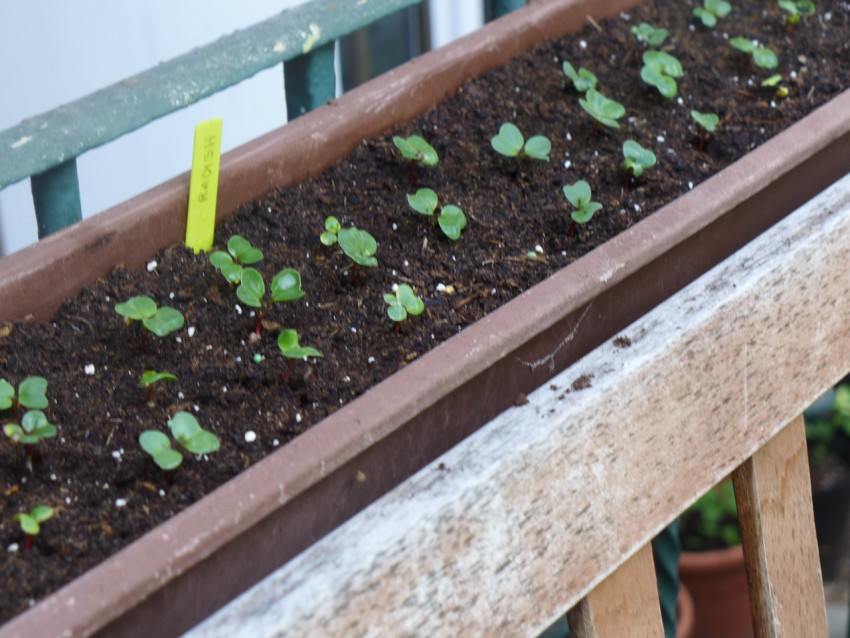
(34, 426)
(600, 108)
(359, 245)
(251, 290)
(403, 301)
(159, 320)
(452, 219)
(188, 434)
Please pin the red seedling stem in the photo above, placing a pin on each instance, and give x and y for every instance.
(28, 543)
(410, 174)
(287, 374)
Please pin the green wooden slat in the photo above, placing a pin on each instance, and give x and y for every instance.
(40, 143)
(56, 196)
(500, 8)
(309, 81)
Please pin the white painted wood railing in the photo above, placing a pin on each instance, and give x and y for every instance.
(551, 506)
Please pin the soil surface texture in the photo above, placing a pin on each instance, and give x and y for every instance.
(107, 491)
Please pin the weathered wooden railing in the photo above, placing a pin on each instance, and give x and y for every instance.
(45, 147)
(549, 508)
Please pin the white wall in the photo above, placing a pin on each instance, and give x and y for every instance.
(55, 51)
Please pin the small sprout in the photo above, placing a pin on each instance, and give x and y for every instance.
(160, 321)
(31, 393)
(579, 195)
(33, 428)
(416, 149)
(285, 286)
(509, 142)
(150, 377)
(601, 109)
(583, 80)
(796, 9)
(359, 245)
(660, 70)
(402, 303)
(773, 80)
(645, 32)
(637, 158)
(452, 219)
(188, 433)
(239, 253)
(31, 521)
(764, 57)
(708, 124)
(287, 342)
(711, 10)
(332, 228)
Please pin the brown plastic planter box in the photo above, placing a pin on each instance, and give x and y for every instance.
(186, 568)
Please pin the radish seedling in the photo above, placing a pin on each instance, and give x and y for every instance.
(583, 80)
(452, 220)
(645, 32)
(239, 253)
(637, 159)
(708, 123)
(31, 393)
(796, 9)
(580, 196)
(510, 142)
(188, 434)
(160, 321)
(660, 70)
(31, 521)
(764, 57)
(285, 286)
(33, 427)
(403, 302)
(151, 377)
(711, 10)
(287, 342)
(601, 109)
(358, 245)
(416, 149)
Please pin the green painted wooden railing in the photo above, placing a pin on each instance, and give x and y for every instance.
(45, 147)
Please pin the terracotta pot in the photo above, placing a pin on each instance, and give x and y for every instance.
(685, 614)
(717, 582)
(183, 570)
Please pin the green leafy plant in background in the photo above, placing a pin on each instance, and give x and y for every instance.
(660, 69)
(149, 378)
(581, 198)
(825, 433)
(358, 245)
(636, 159)
(188, 434)
(510, 142)
(601, 109)
(30, 522)
(583, 80)
(764, 57)
(161, 321)
(239, 253)
(417, 150)
(285, 286)
(711, 10)
(402, 302)
(452, 219)
(796, 10)
(648, 34)
(708, 124)
(287, 343)
(712, 522)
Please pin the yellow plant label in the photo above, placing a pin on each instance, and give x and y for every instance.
(203, 185)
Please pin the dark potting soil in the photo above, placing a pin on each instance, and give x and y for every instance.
(108, 492)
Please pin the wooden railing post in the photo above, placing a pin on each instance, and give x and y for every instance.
(56, 197)
(773, 492)
(627, 598)
(309, 81)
